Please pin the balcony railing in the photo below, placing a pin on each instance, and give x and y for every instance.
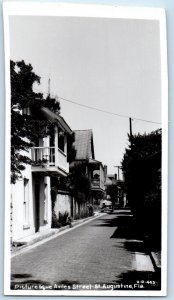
(95, 183)
(48, 157)
(43, 155)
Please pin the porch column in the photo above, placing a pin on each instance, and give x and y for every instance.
(46, 145)
(56, 136)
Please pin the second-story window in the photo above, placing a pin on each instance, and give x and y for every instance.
(61, 142)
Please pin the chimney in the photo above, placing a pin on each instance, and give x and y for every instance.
(105, 171)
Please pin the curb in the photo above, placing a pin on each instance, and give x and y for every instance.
(155, 261)
(35, 240)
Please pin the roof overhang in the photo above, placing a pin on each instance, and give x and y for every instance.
(48, 114)
(94, 161)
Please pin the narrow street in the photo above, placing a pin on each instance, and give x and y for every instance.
(106, 250)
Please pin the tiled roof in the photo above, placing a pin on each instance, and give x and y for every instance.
(84, 144)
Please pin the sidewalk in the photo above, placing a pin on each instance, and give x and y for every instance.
(155, 254)
(40, 236)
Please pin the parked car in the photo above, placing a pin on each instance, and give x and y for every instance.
(106, 206)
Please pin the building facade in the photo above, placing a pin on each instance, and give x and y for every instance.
(95, 171)
(31, 203)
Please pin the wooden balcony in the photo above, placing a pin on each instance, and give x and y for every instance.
(97, 184)
(50, 160)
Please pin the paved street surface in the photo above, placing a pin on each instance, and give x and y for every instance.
(106, 250)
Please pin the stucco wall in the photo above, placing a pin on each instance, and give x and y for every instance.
(62, 203)
(19, 227)
(17, 203)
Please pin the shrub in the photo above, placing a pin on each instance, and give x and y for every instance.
(63, 218)
(55, 221)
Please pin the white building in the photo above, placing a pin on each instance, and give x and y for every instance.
(31, 206)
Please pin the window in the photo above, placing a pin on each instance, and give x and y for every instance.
(61, 142)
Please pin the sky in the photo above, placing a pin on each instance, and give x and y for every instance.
(110, 64)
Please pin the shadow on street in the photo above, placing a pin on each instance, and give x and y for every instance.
(124, 223)
(128, 237)
(126, 229)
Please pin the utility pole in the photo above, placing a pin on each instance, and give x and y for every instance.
(118, 169)
(49, 81)
(130, 126)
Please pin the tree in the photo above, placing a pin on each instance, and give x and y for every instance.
(71, 151)
(141, 167)
(27, 124)
(77, 182)
(80, 183)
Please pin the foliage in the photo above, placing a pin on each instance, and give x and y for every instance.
(141, 167)
(79, 182)
(27, 122)
(62, 220)
(82, 215)
(99, 196)
(112, 191)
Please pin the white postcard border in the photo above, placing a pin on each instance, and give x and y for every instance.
(93, 11)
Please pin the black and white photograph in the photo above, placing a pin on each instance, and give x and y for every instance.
(86, 150)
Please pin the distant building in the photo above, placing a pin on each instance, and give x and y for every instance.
(95, 170)
(115, 190)
(111, 179)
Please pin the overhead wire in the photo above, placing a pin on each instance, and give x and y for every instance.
(108, 112)
(105, 111)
